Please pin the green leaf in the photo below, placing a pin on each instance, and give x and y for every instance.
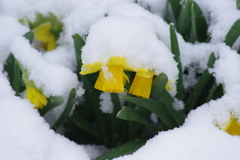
(156, 107)
(233, 34)
(158, 85)
(78, 44)
(30, 36)
(92, 96)
(204, 79)
(67, 110)
(169, 14)
(176, 7)
(16, 78)
(84, 125)
(53, 102)
(123, 149)
(160, 93)
(176, 52)
(184, 20)
(194, 37)
(212, 92)
(199, 24)
(238, 4)
(117, 127)
(168, 102)
(131, 114)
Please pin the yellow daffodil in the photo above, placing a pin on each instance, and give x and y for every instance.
(111, 77)
(35, 97)
(233, 127)
(43, 33)
(142, 83)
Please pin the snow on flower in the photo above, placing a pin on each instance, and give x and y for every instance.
(118, 43)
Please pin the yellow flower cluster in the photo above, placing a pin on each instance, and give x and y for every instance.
(140, 87)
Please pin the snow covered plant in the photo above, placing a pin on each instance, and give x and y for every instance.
(156, 79)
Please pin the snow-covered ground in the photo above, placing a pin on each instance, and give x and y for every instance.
(24, 134)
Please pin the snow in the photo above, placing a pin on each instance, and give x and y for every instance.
(8, 31)
(44, 74)
(26, 135)
(135, 39)
(132, 32)
(106, 104)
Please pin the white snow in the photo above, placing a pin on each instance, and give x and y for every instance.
(135, 39)
(26, 135)
(132, 32)
(106, 104)
(8, 31)
(54, 79)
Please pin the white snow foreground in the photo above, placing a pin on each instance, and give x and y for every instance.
(25, 135)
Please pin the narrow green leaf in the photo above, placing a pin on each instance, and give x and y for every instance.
(200, 24)
(84, 125)
(194, 37)
(204, 79)
(168, 102)
(67, 110)
(212, 92)
(53, 102)
(131, 114)
(156, 107)
(158, 85)
(78, 44)
(238, 4)
(16, 78)
(123, 149)
(90, 92)
(184, 20)
(30, 36)
(176, 51)
(117, 127)
(233, 34)
(160, 93)
(169, 14)
(176, 7)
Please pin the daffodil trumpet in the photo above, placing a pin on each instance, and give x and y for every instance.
(142, 83)
(35, 97)
(111, 75)
(233, 127)
(43, 33)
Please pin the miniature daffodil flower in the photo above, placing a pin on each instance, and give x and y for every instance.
(142, 83)
(43, 33)
(111, 76)
(233, 127)
(35, 97)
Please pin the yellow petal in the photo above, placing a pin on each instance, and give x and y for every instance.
(35, 97)
(117, 61)
(233, 127)
(91, 68)
(51, 45)
(115, 84)
(142, 72)
(43, 33)
(141, 86)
